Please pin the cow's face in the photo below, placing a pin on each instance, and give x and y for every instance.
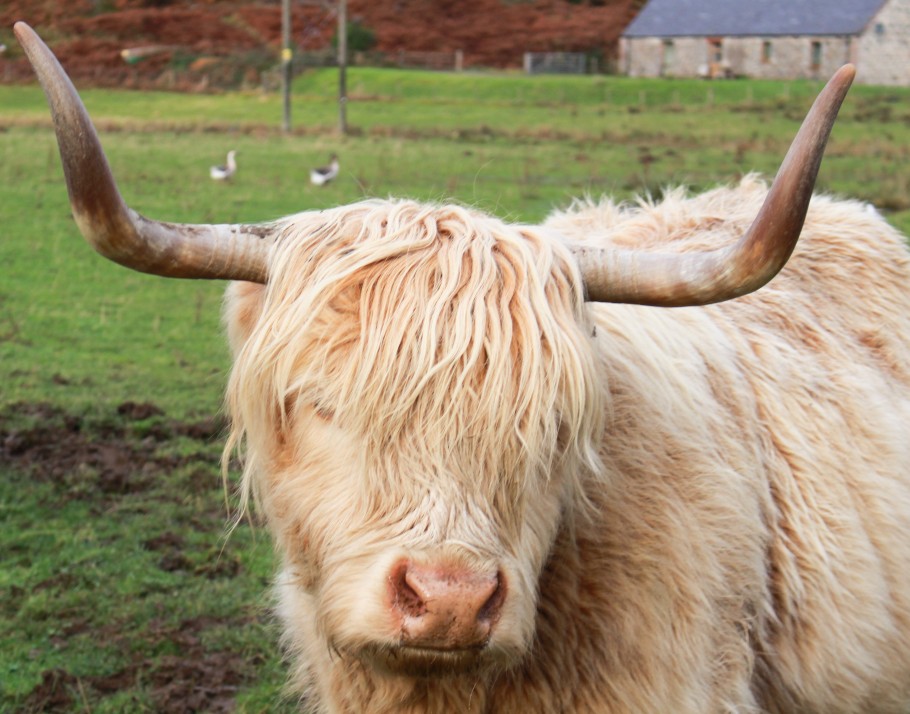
(415, 386)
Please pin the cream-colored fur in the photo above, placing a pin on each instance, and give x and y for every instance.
(696, 510)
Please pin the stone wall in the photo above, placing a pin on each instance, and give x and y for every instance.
(882, 53)
(764, 57)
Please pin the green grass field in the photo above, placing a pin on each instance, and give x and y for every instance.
(118, 588)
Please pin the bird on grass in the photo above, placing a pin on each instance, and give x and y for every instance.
(223, 173)
(324, 174)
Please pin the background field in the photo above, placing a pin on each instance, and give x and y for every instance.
(118, 589)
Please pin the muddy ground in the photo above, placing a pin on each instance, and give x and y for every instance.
(99, 460)
(122, 452)
(196, 680)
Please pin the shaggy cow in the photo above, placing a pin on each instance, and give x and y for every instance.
(493, 496)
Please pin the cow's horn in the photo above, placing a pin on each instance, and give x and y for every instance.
(668, 280)
(238, 252)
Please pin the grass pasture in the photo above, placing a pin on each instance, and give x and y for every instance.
(118, 589)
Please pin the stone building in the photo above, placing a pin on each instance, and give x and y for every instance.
(772, 39)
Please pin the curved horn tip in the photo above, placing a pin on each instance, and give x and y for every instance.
(848, 72)
(841, 80)
(23, 31)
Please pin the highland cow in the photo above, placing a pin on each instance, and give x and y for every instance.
(504, 476)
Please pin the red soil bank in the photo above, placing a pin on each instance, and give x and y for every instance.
(491, 33)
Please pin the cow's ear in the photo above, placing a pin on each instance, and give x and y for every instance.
(242, 308)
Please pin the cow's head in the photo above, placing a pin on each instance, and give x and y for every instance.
(416, 387)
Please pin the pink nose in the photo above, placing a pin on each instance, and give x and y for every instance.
(442, 607)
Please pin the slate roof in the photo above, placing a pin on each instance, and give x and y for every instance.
(699, 18)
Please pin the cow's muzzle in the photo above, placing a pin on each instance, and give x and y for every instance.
(444, 616)
(444, 607)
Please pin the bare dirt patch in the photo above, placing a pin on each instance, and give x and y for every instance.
(196, 679)
(114, 456)
(193, 680)
(53, 694)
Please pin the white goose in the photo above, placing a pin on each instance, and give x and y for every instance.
(223, 173)
(324, 174)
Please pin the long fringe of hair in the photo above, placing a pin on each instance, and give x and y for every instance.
(430, 331)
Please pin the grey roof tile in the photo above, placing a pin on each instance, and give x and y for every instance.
(682, 18)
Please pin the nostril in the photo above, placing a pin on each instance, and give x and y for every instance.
(489, 611)
(404, 597)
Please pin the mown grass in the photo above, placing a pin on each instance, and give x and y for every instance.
(116, 574)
